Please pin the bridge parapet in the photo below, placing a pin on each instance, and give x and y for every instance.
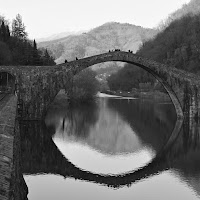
(10, 173)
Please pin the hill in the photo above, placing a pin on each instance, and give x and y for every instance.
(58, 36)
(192, 8)
(17, 49)
(178, 45)
(109, 36)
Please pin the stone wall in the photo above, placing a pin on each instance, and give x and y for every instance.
(10, 178)
(18, 187)
(36, 87)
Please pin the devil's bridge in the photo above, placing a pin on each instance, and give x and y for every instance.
(34, 88)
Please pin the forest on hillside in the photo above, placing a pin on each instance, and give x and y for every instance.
(178, 45)
(128, 77)
(17, 49)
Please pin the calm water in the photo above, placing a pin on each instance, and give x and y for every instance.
(108, 150)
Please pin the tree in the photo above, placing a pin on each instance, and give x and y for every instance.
(5, 54)
(34, 44)
(17, 49)
(46, 58)
(36, 57)
(85, 85)
(128, 78)
(177, 45)
(4, 32)
(18, 28)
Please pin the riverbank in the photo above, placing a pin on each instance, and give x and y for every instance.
(104, 95)
(156, 95)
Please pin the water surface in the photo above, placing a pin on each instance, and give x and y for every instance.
(109, 137)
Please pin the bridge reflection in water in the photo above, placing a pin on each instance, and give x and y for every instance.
(40, 155)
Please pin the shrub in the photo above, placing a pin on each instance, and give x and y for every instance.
(85, 86)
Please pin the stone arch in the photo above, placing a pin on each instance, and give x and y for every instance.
(159, 163)
(9, 79)
(62, 166)
(159, 71)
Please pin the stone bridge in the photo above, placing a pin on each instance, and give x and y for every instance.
(183, 87)
(36, 87)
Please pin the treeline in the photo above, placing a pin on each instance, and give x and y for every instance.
(177, 45)
(17, 49)
(128, 78)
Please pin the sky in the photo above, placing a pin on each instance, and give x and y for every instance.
(43, 18)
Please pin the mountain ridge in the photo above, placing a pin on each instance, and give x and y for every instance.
(57, 36)
(111, 35)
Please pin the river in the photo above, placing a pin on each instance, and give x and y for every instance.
(107, 150)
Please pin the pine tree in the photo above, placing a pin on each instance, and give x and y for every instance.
(49, 59)
(7, 33)
(34, 44)
(18, 28)
(36, 56)
(3, 32)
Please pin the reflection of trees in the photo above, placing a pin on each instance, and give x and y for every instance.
(153, 122)
(40, 155)
(80, 118)
(110, 134)
(184, 156)
(75, 120)
(39, 152)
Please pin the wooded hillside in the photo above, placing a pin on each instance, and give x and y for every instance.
(17, 49)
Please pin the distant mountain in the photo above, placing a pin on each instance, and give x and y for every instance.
(58, 36)
(109, 36)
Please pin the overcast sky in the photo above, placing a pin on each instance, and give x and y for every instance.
(46, 17)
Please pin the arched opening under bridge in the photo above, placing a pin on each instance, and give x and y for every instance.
(7, 82)
(159, 71)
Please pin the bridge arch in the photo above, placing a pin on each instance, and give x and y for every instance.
(7, 81)
(162, 74)
(159, 71)
(56, 163)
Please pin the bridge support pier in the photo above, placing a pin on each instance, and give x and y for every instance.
(191, 102)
